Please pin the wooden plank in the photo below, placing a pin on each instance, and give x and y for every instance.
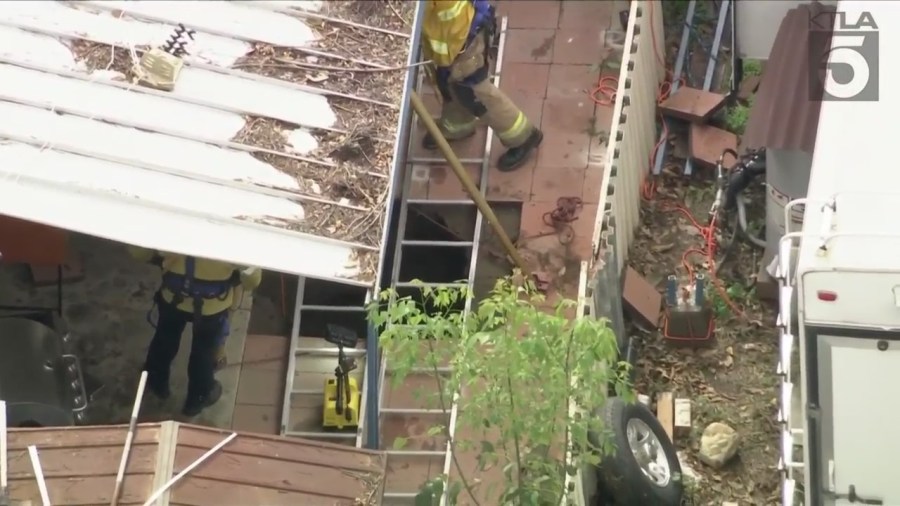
(642, 300)
(665, 407)
(691, 104)
(261, 471)
(77, 462)
(193, 491)
(682, 422)
(80, 437)
(707, 143)
(296, 450)
(83, 491)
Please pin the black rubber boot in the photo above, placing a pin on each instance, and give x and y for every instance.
(515, 157)
(193, 408)
(430, 144)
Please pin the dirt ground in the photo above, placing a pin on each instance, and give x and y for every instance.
(734, 380)
(106, 315)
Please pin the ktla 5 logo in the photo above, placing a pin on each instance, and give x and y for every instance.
(847, 66)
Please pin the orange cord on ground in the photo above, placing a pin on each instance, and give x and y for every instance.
(605, 94)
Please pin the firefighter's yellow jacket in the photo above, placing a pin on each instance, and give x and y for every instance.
(445, 29)
(204, 270)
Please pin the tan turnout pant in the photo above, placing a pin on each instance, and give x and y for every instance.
(459, 116)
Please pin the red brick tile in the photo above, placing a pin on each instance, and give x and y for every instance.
(266, 352)
(529, 46)
(260, 387)
(579, 45)
(257, 419)
(530, 13)
(566, 123)
(552, 183)
(593, 178)
(568, 81)
(533, 223)
(525, 79)
(598, 15)
(514, 185)
(581, 246)
(444, 185)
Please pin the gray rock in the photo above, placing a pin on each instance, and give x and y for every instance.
(718, 444)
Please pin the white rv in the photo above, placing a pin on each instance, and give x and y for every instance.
(839, 316)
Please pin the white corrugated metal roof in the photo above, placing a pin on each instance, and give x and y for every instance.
(855, 157)
(90, 152)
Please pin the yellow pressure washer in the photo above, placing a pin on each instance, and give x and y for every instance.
(342, 397)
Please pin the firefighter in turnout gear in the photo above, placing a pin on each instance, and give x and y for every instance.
(200, 292)
(457, 37)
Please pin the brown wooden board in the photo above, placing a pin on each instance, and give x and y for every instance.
(708, 143)
(691, 104)
(642, 300)
(665, 406)
(274, 471)
(80, 465)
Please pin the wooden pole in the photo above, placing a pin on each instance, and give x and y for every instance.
(466, 181)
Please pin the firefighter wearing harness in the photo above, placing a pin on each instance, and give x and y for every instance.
(200, 292)
(457, 37)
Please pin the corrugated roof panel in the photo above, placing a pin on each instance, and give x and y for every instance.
(230, 165)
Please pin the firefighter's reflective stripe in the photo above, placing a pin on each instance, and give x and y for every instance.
(439, 47)
(446, 29)
(453, 12)
(517, 129)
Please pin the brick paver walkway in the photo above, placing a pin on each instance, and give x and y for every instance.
(551, 64)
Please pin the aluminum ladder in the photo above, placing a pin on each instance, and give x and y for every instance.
(310, 362)
(393, 494)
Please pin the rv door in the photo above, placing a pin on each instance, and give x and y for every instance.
(854, 385)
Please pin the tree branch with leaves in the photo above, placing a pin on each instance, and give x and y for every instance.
(517, 367)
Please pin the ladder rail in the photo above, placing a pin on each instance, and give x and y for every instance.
(292, 356)
(473, 264)
(395, 276)
(296, 352)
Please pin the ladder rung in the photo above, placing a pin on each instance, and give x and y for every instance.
(456, 244)
(306, 391)
(327, 352)
(400, 495)
(410, 284)
(314, 307)
(417, 453)
(444, 202)
(323, 435)
(414, 411)
(442, 160)
(420, 370)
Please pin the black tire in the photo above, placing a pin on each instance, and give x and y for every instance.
(621, 478)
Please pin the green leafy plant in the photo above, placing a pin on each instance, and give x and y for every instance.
(751, 68)
(519, 369)
(737, 115)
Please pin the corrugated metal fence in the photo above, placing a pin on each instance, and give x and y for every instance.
(633, 135)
